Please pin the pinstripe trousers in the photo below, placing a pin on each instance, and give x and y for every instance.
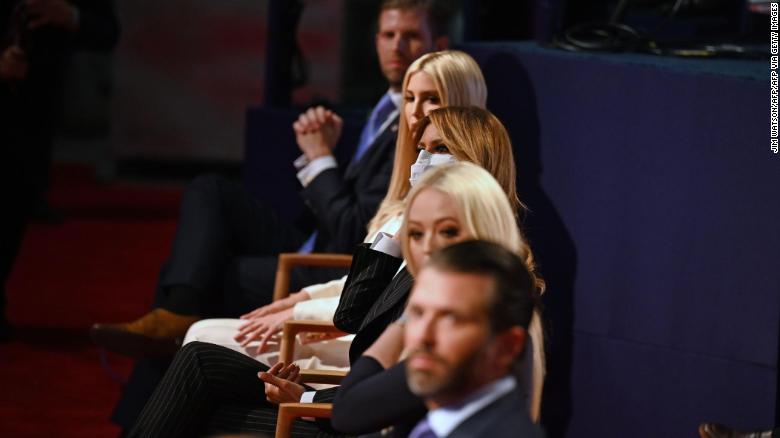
(210, 389)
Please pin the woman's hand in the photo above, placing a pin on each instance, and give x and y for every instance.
(278, 306)
(281, 383)
(262, 329)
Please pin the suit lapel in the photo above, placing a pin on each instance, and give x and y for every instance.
(380, 142)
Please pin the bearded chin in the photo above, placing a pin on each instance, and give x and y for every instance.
(443, 385)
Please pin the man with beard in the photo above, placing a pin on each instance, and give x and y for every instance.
(465, 329)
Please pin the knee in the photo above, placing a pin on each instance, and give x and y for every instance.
(192, 350)
(204, 193)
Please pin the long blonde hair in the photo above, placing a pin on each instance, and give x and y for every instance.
(458, 81)
(486, 214)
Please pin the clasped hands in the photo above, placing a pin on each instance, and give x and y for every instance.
(317, 131)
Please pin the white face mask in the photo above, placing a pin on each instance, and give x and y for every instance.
(427, 160)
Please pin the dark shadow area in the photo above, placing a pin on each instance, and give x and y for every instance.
(512, 99)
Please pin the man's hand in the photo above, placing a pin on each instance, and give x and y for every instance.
(54, 13)
(281, 383)
(317, 131)
(263, 329)
(13, 65)
(278, 305)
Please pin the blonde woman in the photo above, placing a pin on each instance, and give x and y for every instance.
(434, 80)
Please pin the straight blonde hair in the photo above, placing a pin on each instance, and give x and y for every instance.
(459, 81)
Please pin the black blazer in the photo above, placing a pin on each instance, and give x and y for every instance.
(373, 297)
(343, 204)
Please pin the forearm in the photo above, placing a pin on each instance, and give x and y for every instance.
(344, 209)
(367, 387)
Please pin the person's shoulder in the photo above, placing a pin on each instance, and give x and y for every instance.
(505, 417)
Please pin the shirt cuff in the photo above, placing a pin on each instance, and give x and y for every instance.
(386, 244)
(308, 397)
(315, 167)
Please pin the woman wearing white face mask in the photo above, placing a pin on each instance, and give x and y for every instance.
(434, 80)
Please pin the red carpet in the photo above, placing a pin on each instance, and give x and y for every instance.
(99, 265)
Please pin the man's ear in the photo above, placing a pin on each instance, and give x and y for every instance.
(511, 345)
(442, 43)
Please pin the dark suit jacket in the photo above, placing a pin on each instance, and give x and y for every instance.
(505, 417)
(373, 297)
(344, 204)
(371, 399)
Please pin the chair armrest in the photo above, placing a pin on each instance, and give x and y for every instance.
(329, 377)
(287, 261)
(291, 330)
(290, 411)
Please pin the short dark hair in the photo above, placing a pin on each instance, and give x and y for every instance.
(438, 12)
(514, 295)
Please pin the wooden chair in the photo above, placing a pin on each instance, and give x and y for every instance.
(288, 261)
(288, 412)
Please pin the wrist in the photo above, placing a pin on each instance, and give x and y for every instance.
(302, 296)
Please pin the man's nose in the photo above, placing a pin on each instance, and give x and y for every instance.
(423, 336)
(400, 43)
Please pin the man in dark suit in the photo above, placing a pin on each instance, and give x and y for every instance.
(224, 255)
(465, 328)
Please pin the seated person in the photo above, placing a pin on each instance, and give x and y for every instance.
(434, 80)
(466, 324)
(214, 389)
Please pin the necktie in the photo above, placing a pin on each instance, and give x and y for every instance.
(308, 245)
(422, 430)
(371, 129)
